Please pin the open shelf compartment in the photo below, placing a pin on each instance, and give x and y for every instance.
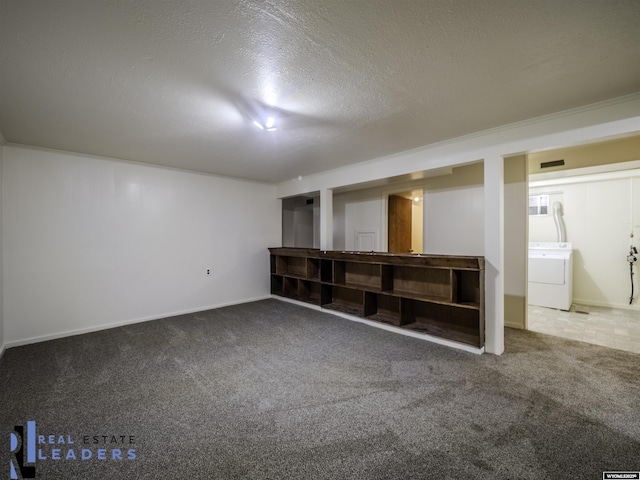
(382, 308)
(309, 292)
(424, 282)
(292, 266)
(290, 287)
(277, 286)
(313, 269)
(326, 271)
(368, 276)
(459, 324)
(345, 300)
(467, 288)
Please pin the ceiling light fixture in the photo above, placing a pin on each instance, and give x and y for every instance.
(268, 125)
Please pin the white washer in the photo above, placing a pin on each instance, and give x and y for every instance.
(551, 274)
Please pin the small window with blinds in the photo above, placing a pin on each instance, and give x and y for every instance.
(538, 205)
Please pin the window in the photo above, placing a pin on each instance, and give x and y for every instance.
(539, 205)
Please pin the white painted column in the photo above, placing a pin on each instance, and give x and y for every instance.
(326, 219)
(1, 288)
(494, 253)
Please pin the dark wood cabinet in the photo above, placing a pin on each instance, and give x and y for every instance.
(437, 295)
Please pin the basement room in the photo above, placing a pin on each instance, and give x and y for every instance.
(319, 240)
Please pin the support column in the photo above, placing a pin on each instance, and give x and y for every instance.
(494, 253)
(326, 219)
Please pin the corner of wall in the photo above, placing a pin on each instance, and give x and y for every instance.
(515, 241)
(1, 253)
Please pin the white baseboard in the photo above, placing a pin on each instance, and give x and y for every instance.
(518, 326)
(620, 306)
(106, 326)
(390, 328)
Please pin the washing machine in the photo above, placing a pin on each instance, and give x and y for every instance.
(551, 275)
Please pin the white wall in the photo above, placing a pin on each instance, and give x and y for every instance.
(597, 215)
(339, 223)
(288, 228)
(1, 269)
(359, 211)
(90, 243)
(454, 212)
(303, 227)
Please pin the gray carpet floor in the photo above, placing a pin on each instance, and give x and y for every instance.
(271, 390)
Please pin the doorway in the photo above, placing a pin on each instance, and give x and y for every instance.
(405, 222)
(300, 222)
(597, 195)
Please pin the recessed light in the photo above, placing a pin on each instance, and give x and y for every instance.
(268, 125)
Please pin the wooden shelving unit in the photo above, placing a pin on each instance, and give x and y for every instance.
(295, 273)
(438, 295)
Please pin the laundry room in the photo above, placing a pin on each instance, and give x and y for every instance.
(584, 233)
(594, 205)
(599, 213)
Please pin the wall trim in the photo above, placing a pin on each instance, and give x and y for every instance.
(619, 306)
(2, 350)
(80, 331)
(132, 162)
(516, 326)
(382, 326)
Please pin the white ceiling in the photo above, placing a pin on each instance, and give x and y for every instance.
(174, 82)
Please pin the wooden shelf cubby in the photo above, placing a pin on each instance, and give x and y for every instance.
(382, 308)
(422, 282)
(296, 266)
(309, 291)
(366, 276)
(446, 321)
(346, 300)
(438, 295)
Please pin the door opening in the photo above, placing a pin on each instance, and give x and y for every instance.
(404, 222)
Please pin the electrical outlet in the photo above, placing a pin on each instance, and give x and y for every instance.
(208, 274)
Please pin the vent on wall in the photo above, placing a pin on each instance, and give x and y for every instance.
(553, 163)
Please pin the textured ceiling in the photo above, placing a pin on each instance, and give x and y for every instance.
(176, 83)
